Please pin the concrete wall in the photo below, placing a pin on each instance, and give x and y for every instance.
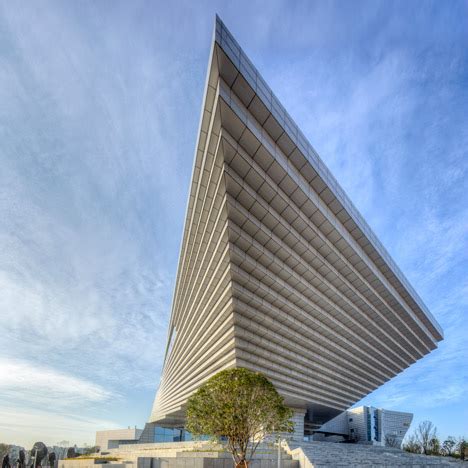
(205, 462)
(298, 421)
(357, 421)
(111, 438)
(338, 425)
(396, 424)
(183, 462)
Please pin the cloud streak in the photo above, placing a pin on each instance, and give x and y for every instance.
(35, 384)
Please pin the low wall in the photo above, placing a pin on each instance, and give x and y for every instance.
(186, 460)
(204, 462)
(90, 463)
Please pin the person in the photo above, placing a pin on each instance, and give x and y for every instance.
(22, 459)
(52, 458)
(6, 461)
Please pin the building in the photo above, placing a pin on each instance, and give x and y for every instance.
(278, 272)
(367, 425)
(111, 439)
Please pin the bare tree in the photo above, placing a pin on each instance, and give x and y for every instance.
(391, 440)
(425, 433)
(412, 445)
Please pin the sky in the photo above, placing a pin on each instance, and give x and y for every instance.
(99, 110)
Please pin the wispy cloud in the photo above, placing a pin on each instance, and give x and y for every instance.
(41, 403)
(91, 173)
(26, 426)
(34, 384)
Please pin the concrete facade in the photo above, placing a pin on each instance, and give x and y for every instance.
(278, 272)
(111, 439)
(367, 425)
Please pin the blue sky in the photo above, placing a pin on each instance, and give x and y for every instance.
(99, 107)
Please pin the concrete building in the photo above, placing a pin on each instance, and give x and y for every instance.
(367, 425)
(278, 271)
(111, 439)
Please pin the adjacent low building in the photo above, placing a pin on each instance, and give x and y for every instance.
(111, 439)
(367, 425)
(278, 272)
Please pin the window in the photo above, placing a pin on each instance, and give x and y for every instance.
(168, 434)
(350, 419)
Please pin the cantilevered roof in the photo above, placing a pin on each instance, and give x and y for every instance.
(278, 271)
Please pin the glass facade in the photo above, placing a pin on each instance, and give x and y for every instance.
(376, 426)
(368, 420)
(171, 434)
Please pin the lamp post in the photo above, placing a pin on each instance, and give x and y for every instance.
(279, 451)
(34, 458)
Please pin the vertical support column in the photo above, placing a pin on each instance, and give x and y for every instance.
(298, 421)
(147, 436)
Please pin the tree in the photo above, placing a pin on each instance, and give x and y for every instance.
(71, 452)
(434, 446)
(391, 440)
(89, 450)
(463, 448)
(425, 432)
(448, 446)
(240, 406)
(412, 445)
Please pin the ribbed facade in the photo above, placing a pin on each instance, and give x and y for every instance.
(278, 272)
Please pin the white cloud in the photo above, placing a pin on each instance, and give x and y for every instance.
(35, 384)
(20, 425)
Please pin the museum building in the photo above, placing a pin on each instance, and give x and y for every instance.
(278, 272)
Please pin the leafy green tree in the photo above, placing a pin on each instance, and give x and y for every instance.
(240, 406)
(463, 448)
(448, 446)
(90, 450)
(434, 446)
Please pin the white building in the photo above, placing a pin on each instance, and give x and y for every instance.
(110, 439)
(367, 425)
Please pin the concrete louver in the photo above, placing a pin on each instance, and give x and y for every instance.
(278, 272)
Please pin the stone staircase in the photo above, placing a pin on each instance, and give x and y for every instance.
(329, 454)
(196, 454)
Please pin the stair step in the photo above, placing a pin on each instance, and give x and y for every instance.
(328, 454)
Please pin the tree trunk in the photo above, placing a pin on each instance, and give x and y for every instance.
(243, 464)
